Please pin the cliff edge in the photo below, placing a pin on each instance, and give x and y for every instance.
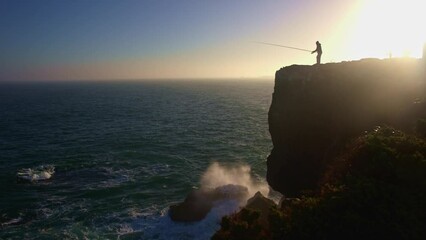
(316, 110)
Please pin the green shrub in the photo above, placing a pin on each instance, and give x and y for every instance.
(243, 225)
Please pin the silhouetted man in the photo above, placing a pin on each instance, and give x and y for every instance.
(318, 51)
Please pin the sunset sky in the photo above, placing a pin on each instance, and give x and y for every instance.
(159, 39)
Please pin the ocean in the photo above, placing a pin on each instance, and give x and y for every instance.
(123, 152)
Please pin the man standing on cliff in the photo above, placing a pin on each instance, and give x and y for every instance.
(318, 51)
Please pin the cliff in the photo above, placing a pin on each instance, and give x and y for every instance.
(343, 176)
(316, 110)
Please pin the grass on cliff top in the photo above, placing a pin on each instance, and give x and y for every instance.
(376, 190)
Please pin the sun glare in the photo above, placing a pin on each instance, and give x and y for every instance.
(389, 28)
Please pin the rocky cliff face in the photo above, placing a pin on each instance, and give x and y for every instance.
(317, 110)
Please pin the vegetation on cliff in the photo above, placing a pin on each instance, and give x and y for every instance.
(376, 189)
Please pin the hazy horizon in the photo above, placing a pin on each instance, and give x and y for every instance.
(103, 40)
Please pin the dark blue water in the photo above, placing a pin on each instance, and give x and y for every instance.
(123, 152)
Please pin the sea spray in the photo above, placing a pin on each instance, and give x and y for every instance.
(218, 175)
(218, 184)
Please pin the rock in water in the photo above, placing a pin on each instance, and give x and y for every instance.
(195, 207)
(43, 172)
(199, 202)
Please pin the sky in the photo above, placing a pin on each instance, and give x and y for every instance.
(168, 39)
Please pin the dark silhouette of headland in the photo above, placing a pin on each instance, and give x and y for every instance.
(316, 110)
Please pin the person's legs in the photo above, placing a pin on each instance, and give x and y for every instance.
(319, 58)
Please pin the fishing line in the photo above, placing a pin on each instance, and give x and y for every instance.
(277, 45)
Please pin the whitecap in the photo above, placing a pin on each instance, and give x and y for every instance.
(40, 173)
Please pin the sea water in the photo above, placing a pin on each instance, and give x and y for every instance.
(123, 152)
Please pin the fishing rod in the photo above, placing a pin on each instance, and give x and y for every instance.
(277, 45)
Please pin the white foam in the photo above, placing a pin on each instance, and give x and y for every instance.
(12, 221)
(43, 172)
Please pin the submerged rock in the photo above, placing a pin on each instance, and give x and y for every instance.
(199, 202)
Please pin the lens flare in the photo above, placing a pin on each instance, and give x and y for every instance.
(389, 28)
